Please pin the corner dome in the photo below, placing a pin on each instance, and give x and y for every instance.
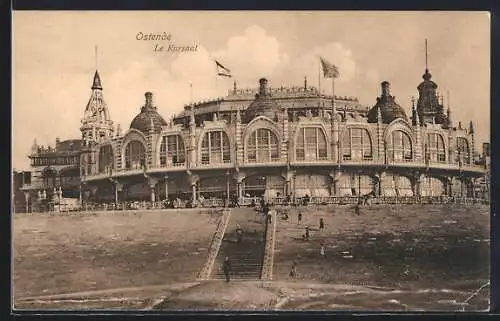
(148, 117)
(263, 105)
(389, 109)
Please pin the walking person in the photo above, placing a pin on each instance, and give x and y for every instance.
(299, 218)
(239, 233)
(307, 233)
(227, 268)
(356, 209)
(322, 249)
(321, 224)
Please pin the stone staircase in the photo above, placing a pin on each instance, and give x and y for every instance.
(247, 256)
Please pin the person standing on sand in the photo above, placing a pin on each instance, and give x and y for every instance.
(227, 268)
(322, 249)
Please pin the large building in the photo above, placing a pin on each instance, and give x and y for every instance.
(271, 142)
(280, 141)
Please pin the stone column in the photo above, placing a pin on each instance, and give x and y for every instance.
(26, 200)
(287, 188)
(227, 186)
(118, 188)
(240, 189)
(152, 193)
(239, 177)
(193, 187)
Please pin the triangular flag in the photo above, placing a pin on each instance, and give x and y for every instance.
(222, 71)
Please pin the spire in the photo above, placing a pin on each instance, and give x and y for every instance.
(305, 82)
(118, 130)
(471, 128)
(379, 115)
(234, 87)
(96, 122)
(426, 57)
(97, 81)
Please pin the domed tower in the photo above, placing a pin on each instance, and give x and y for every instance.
(389, 109)
(263, 105)
(148, 117)
(96, 123)
(429, 109)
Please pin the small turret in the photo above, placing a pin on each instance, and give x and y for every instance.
(471, 128)
(413, 112)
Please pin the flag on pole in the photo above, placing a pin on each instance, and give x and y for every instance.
(329, 70)
(222, 71)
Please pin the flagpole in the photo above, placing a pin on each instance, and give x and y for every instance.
(191, 93)
(319, 78)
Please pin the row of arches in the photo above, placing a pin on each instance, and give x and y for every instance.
(311, 184)
(263, 145)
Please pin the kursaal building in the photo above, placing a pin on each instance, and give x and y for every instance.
(271, 142)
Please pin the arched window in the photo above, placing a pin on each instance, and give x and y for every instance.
(215, 148)
(262, 146)
(311, 144)
(463, 150)
(356, 144)
(135, 155)
(172, 150)
(400, 146)
(435, 148)
(106, 159)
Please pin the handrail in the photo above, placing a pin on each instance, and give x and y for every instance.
(215, 245)
(268, 262)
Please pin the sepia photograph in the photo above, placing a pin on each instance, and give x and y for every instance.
(251, 161)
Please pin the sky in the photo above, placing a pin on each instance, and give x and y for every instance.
(54, 60)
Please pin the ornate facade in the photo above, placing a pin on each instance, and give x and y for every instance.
(279, 141)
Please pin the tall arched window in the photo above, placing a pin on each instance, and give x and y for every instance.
(400, 146)
(215, 148)
(135, 155)
(311, 144)
(172, 150)
(435, 148)
(262, 146)
(105, 159)
(463, 150)
(356, 144)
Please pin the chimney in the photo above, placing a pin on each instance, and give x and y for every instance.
(149, 100)
(386, 92)
(57, 141)
(263, 87)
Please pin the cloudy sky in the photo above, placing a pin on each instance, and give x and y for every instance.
(54, 61)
